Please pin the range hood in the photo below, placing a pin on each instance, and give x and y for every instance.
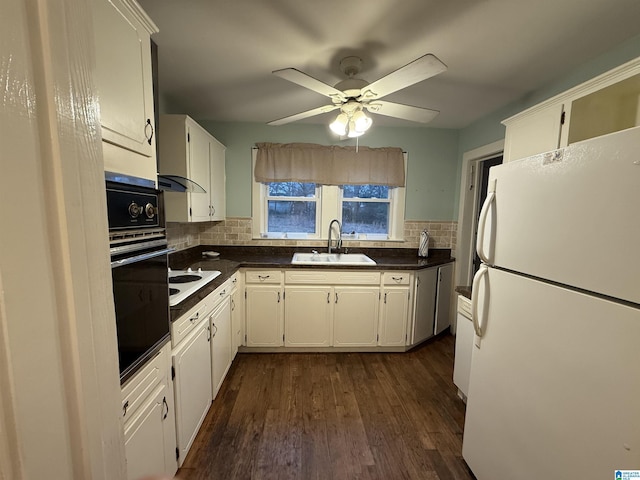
(176, 183)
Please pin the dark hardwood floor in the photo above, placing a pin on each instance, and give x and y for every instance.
(335, 416)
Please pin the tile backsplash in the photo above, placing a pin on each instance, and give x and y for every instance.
(237, 231)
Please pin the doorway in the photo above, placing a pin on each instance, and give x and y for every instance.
(482, 181)
(474, 173)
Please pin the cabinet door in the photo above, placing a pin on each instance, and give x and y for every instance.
(355, 320)
(217, 181)
(425, 305)
(144, 437)
(443, 298)
(192, 384)
(199, 173)
(123, 77)
(307, 316)
(264, 316)
(535, 133)
(393, 316)
(220, 344)
(236, 322)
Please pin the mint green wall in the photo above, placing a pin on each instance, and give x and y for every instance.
(435, 155)
(432, 175)
(489, 129)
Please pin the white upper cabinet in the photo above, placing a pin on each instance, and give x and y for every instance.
(535, 133)
(125, 87)
(605, 104)
(188, 150)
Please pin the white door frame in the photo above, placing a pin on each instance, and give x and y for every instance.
(60, 392)
(467, 208)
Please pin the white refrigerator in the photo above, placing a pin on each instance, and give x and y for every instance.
(554, 388)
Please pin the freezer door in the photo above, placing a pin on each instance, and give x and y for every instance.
(554, 386)
(571, 216)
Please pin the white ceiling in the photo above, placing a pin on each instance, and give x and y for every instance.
(216, 56)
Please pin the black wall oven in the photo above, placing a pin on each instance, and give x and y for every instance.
(139, 267)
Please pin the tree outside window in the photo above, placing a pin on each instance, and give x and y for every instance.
(365, 209)
(291, 207)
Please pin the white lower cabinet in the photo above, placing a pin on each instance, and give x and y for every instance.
(144, 437)
(221, 342)
(394, 312)
(149, 419)
(264, 316)
(264, 310)
(308, 316)
(192, 384)
(237, 314)
(319, 308)
(395, 308)
(355, 316)
(201, 357)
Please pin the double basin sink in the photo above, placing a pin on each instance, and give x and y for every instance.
(331, 259)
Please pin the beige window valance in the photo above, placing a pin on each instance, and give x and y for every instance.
(329, 164)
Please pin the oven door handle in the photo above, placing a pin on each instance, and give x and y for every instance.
(140, 258)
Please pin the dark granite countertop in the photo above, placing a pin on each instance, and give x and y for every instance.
(465, 291)
(234, 257)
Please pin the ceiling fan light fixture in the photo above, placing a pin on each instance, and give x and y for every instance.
(361, 122)
(339, 125)
(353, 131)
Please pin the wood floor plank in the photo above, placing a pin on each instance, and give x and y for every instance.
(366, 416)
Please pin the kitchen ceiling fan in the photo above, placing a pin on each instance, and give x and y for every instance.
(353, 95)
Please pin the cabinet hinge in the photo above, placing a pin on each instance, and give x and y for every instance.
(177, 454)
(283, 337)
(173, 372)
(190, 212)
(562, 116)
(245, 294)
(188, 137)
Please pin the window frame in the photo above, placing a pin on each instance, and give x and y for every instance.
(328, 207)
(264, 217)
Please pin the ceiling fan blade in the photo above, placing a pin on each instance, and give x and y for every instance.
(420, 69)
(302, 115)
(307, 81)
(406, 112)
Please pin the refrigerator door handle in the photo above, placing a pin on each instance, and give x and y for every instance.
(474, 298)
(482, 221)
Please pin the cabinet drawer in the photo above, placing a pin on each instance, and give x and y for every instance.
(348, 277)
(263, 276)
(234, 280)
(309, 277)
(396, 278)
(186, 323)
(331, 277)
(220, 293)
(142, 384)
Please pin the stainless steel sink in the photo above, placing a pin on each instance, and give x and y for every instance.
(331, 259)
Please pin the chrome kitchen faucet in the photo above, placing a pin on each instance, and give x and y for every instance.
(339, 239)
